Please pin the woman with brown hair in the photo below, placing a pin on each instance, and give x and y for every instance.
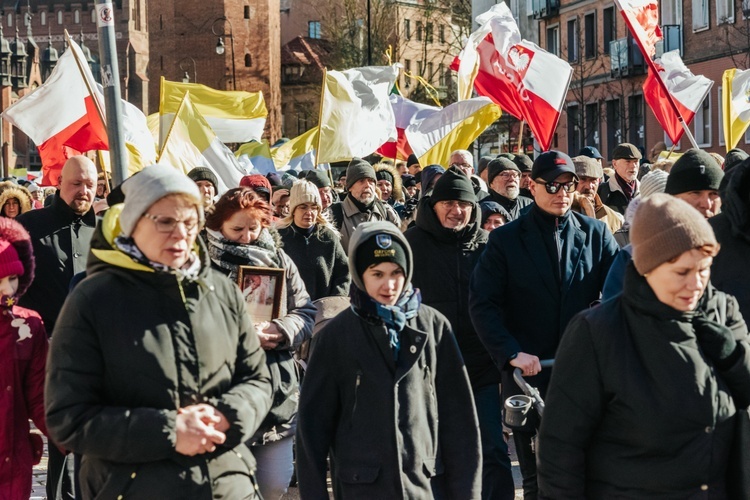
(14, 201)
(238, 234)
(648, 387)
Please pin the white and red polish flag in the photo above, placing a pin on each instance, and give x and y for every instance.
(404, 110)
(522, 78)
(642, 18)
(687, 92)
(61, 116)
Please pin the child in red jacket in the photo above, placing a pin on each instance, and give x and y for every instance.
(23, 355)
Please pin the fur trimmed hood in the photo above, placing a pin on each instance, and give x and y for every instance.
(397, 192)
(18, 192)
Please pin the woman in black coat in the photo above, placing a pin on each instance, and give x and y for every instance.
(646, 389)
(313, 245)
(155, 375)
(385, 391)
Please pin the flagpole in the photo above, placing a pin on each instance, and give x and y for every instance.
(171, 125)
(320, 115)
(520, 137)
(110, 71)
(671, 150)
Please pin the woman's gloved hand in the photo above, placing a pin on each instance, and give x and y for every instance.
(716, 341)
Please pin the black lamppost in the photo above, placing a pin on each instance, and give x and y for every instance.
(369, 36)
(220, 48)
(184, 67)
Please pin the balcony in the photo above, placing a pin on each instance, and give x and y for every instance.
(672, 39)
(625, 58)
(543, 9)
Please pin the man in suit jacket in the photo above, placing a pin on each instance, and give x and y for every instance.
(535, 274)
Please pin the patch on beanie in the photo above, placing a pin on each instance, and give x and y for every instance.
(385, 244)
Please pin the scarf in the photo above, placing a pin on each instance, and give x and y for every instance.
(229, 255)
(393, 317)
(627, 187)
(189, 271)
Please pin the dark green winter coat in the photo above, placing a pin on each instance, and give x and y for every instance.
(130, 347)
(635, 408)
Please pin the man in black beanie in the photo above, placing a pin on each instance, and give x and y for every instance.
(696, 178)
(447, 241)
(504, 181)
(322, 181)
(361, 203)
(524, 164)
(412, 164)
(207, 184)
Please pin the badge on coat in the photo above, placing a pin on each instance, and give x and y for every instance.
(24, 332)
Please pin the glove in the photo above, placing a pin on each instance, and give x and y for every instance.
(716, 341)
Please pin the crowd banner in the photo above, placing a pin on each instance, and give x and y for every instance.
(735, 102)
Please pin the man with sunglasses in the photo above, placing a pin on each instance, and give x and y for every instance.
(504, 179)
(535, 274)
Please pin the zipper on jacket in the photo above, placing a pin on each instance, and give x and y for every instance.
(356, 391)
(558, 243)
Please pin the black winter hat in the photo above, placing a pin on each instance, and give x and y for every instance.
(412, 160)
(319, 178)
(204, 174)
(695, 170)
(384, 175)
(500, 164)
(381, 247)
(550, 165)
(489, 207)
(408, 180)
(733, 158)
(483, 162)
(358, 169)
(523, 162)
(453, 185)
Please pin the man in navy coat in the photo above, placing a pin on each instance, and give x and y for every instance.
(535, 274)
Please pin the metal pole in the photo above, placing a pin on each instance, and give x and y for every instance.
(369, 37)
(105, 23)
(231, 39)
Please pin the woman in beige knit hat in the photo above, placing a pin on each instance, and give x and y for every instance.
(648, 386)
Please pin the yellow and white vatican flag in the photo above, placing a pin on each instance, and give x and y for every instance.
(256, 156)
(298, 153)
(190, 142)
(434, 133)
(735, 105)
(356, 116)
(234, 115)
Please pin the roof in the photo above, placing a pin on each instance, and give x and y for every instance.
(306, 51)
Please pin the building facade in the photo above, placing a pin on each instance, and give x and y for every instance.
(224, 44)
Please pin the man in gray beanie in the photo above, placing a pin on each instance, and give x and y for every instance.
(361, 203)
(322, 181)
(504, 181)
(207, 182)
(695, 178)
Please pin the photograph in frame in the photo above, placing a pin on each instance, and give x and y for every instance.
(262, 289)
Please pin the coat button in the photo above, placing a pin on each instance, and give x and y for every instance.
(76, 255)
(418, 339)
(9, 388)
(7, 459)
(355, 477)
(704, 487)
(413, 349)
(708, 429)
(132, 476)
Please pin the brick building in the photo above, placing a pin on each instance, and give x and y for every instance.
(605, 102)
(38, 26)
(185, 34)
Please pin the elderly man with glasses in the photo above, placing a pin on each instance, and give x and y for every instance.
(535, 274)
(504, 179)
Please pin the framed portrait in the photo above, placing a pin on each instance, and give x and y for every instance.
(263, 290)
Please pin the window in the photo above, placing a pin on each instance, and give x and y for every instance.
(724, 11)
(574, 128)
(592, 125)
(60, 17)
(407, 70)
(441, 34)
(77, 16)
(407, 29)
(246, 11)
(10, 19)
(609, 30)
(637, 132)
(703, 123)
(700, 15)
(313, 29)
(671, 12)
(442, 76)
(553, 40)
(248, 61)
(93, 16)
(614, 130)
(589, 26)
(430, 73)
(668, 142)
(721, 118)
(419, 68)
(43, 18)
(572, 40)
(290, 73)
(747, 136)
(428, 33)
(419, 31)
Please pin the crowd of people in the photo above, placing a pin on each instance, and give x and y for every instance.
(406, 296)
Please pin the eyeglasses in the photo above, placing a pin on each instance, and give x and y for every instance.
(554, 187)
(168, 224)
(461, 165)
(451, 204)
(509, 175)
(308, 208)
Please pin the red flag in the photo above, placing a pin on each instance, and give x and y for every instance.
(687, 92)
(403, 110)
(515, 73)
(642, 18)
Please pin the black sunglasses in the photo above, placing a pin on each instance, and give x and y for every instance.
(554, 187)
